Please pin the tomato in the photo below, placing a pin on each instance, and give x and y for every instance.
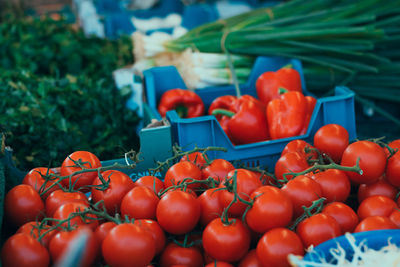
(375, 223)
(62, 240)
(219, 264)
(181, 171)
(32, 228)
(302, 191)
(140, 203)
(197, 158)
(272, 208)
(174, 254)
(265, 178)
(395, 144)
(119, 185)
(250, 260)
(393, 170)
(275, 246)
(22, 250)
(246, 183)
(210, 206)
(218, 170)
(151, 182)
(395, 217)
(59, 197)
(128, 245)
(226, 242)
(65, 210)
(301, 147)
(75, 162)
(102, 230)
(156, 232)
(332, 139)
(378, 188)
(335, 185)
(372, 161)
(290, 162)
(178, 212)
(23, 204)
(317, 229)
(343, 214)
(376, 206)
(36, 178)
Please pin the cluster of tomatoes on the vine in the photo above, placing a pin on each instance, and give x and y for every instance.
(205, 212)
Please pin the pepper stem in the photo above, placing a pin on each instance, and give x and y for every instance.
(223, 112)
(282, 90)
(288, 66)
(182, 111)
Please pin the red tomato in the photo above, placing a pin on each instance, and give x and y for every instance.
(32, 229)
(178, 212)
(62, 240)
(302, 191)
(151, 182)
(394, 144)
(246, 183)
(376, 206)
(317, 229)
(219, 264)
(393, 170)
(290, 162)
(102, 230)
(343, 214)
(128, 245)
(378, 188)
(210, 206)
(37, 177)
(197, 158)
(140, 203)
(156, 232)
(301, 147)
(335, 185)
(272, 208)
(395, 217)
(75, 162)
(218, 170)
(65, 210)
(22, 250)
(250, 260)
(23, 204)
(119, 185)
(177, 255)
(372, 161)
(226, 242)
(275, 246)
(375, 223)
(332, 139)
(59, 197)
(181, 171)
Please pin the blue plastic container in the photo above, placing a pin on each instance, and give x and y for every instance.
(373, 239)
(206, 131)
(155, 145)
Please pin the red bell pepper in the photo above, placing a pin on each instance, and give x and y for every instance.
(244, 120)
(268, 84)
(286, 115)
(310, 104)
(186, 103)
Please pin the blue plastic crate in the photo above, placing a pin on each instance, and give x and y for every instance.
(155, 145)
(206, 131)
(117, 21)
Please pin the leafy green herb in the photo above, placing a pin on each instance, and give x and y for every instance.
(57, 92)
